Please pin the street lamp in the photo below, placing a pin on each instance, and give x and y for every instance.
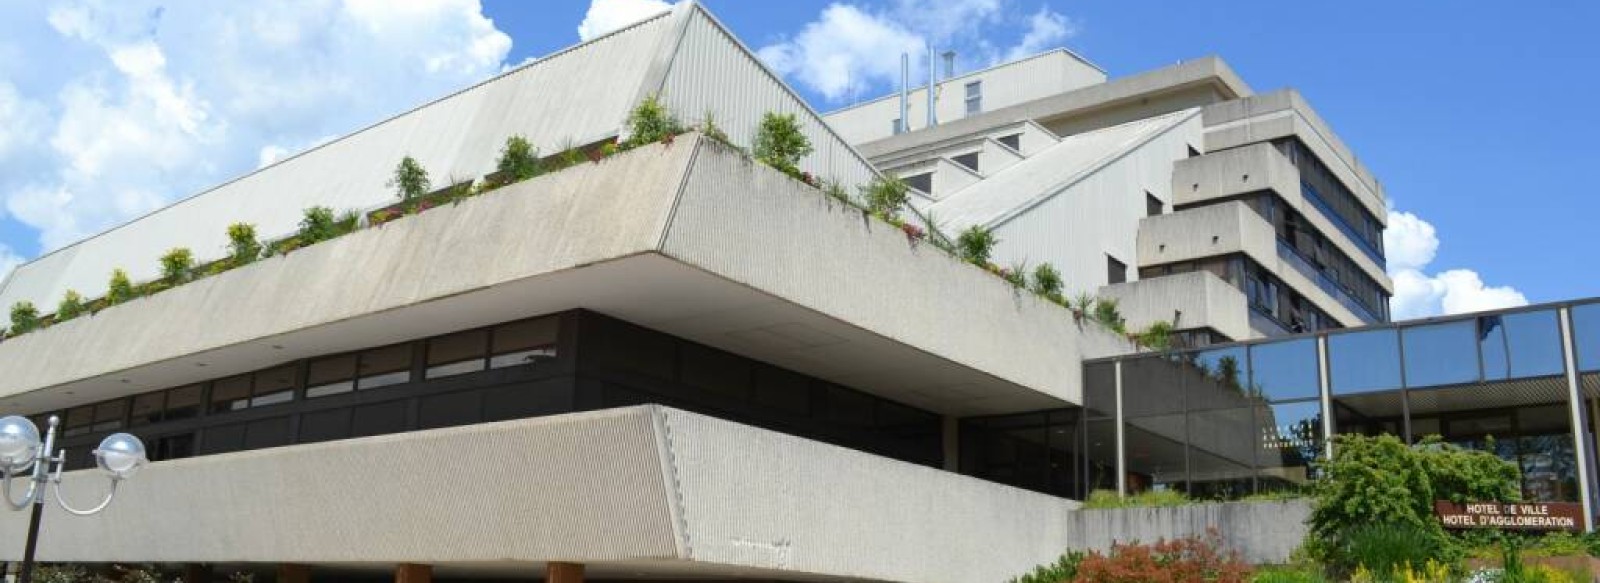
(120, 455)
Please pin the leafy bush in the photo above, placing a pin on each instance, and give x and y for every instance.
(243, 247)
(1156, 336)
(1064, 570)
(61, 574)
(519, 160)
(24, 317)
(1384, 547)
(1107, 314)
(120, 289)
(177, 265)
(1104, 499)
(650, 121)
(1374, 482)
(410, 179)
(780, 143)
(1183, 560)
(1016, 275)
(317, 224)
(709, 127)
(976, 244)
(71, 306)
(886, 196)
(1047, 281)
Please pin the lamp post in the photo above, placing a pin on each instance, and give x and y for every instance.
(120, 455)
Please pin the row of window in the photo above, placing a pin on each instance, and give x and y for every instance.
(1267, 295)
(1327, 191)
(1321, 256)
(505, 345)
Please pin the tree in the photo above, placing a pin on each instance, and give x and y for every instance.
(410, 179)
(519, 160)
(780, 143)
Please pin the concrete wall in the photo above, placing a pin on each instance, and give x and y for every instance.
(1262, 532)
(1259, 167)
(1004, 85)
(1205, 301)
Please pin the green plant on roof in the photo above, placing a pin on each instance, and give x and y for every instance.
(1047, 282)
(1156, 336)
(780, 143)
(24, 317)
(120, 288)
(1107, 313)
(885, 196)
(709, 127)
(71, 306)
(651, 121)
(177, 265)
(410, 179)
(243, 247)
(976, 244)
(519, 160)
(317, 224)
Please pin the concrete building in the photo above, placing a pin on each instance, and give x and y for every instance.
(1178, 192)
(677, 363)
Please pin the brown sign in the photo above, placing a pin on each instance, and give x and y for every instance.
(1566, 516)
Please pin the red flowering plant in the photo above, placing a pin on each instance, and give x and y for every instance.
(807, 178)
(1190, 559)
(913, 232)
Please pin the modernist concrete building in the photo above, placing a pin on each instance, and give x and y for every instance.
(1179, 192)
(676, 363)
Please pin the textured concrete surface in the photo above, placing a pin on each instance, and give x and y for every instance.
(1262, 532)
(1187, 300)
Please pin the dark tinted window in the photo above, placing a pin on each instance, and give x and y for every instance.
(1013, 141)
(273, 386)
(324, 425)
(781, 390)
(147, 408)
(378, 419)
(1116, 271)
(230, 394)
(184, 402)
(272, 432)
(108, 416)
(525, 342)
(1152, 205)
(381, 367)
(457, 353)
(922, 182)
(449, 409)
(331, 376)
(968, 160)
(223, 439)
(716, 372)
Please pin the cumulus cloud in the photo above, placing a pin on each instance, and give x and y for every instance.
(607, 15)
(9, 260)
(150, 101)
(850, 50)
(1411, 244)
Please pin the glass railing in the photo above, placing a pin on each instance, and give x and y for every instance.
(1325, 283)
(1339, 222)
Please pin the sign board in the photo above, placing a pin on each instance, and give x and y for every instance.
(1567, 516)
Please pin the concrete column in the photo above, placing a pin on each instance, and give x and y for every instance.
(1122, 444)
(292, 573)
(196, 573)
(563, 572)
(1325, 389)
(1580, 428)
(413, 573)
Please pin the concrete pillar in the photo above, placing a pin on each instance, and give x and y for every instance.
(1122, 439)
(293, 573)
(563, 572)
(1581, 445)
(413, 573)
(196, 573)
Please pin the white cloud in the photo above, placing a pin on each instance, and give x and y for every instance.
(9, 260)
(153, 101)
(850, 51)
(607, 15)
(1411, 244)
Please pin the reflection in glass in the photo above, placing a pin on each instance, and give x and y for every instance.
(524, 342)
(1524, 422)
(457, 353)
(1586, 335)
(1285, 370)
(331, 376)
(1038, 451)
(1441, 354)
(1100, 389)
(1291, 439)
(1520, 345)
(1360, 362)
(1153, 413)
(381, 367)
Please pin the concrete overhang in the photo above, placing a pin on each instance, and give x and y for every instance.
(690, 239)
(1234, 228)
(1261, 167)
(1188, 301)
(640, 492)
(1282, 114)
(1208, 71)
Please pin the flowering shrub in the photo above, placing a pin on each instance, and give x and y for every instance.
(1184, 560)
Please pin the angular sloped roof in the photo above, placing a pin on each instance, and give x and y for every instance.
(1047, 173)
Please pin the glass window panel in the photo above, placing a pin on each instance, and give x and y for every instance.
(1282, 371)
(331, 376)
(147, 408)
(715, 372)
(1361, 362)
(1100, 389)
(1216, 379)
(782, 391)
(230, 394)
(273, 386)
(1520, 345)
(1153, 404)
(184, 402)
(108, 416)
(1291, 439)
(78, 420)
(381, 367)
(1440, 354)
(1586, 335)
(525, 342)
(1100, 450)
(457, 353)
(849, 408)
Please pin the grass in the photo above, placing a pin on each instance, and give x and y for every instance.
(1103, 499)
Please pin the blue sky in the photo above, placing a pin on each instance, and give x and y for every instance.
(1474, 115)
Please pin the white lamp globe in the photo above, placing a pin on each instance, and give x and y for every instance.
(120, 455)
(19, 441)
